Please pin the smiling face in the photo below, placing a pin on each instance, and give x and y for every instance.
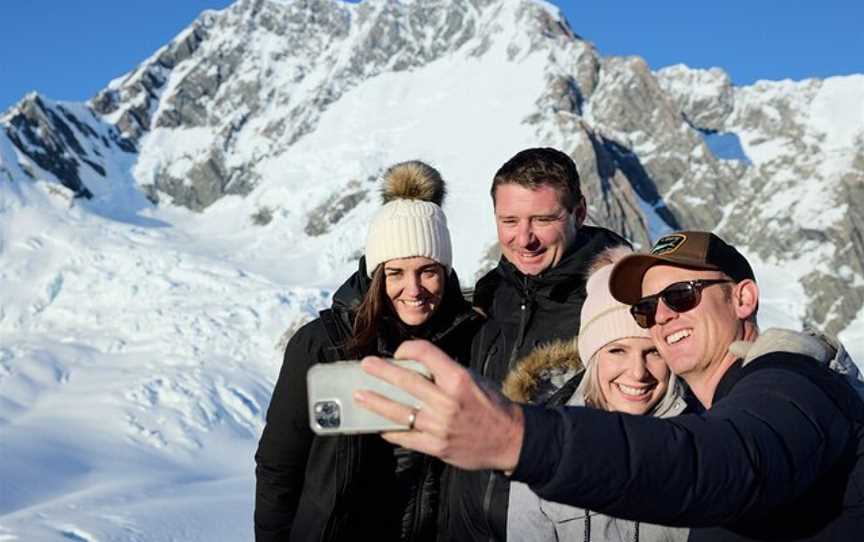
(534, 228)
(415, 287)
(631, 375)
(694, 342)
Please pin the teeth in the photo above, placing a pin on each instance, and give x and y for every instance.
(630, 390)
(413, 303)
(678, 335)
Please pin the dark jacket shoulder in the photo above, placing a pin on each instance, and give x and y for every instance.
(782, 444)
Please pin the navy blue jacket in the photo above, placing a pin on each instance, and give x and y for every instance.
(779, 456)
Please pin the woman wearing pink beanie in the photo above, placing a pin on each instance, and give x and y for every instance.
(622, 373)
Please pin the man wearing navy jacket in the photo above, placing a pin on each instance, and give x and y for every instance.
(778, 454)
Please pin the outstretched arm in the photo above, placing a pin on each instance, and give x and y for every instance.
(769, 443)
(464, 421)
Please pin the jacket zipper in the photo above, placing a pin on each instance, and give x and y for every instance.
(523, 320)
(587, 535)
(427, 463)
(418, 502)
(487, 503)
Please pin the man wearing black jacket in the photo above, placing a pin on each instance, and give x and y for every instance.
(778, 453)
(534, 296)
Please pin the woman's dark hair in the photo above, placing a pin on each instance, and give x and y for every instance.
(369, 316)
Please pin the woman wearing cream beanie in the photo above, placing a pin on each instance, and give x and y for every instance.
(359, 487)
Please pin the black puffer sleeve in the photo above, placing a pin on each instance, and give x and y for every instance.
(774, 440)
(284, 446)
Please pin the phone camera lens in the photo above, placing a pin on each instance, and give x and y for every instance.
(327, 414)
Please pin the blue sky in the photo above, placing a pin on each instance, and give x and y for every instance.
(69, 50)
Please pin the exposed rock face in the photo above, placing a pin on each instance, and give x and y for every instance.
(798, 199)
(706, 97)
(60, 143)
(42, 135)
(630, 108)
(220, 109)
(329, 213)
(130, 104)
(201, 185)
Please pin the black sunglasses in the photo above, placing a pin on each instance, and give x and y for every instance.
(679, 296)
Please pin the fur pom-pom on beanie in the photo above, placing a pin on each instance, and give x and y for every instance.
(411, 222)
(604, 319)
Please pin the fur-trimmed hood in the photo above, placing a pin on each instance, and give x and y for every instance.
(542, 372)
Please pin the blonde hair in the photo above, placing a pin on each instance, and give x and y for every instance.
(593, 394)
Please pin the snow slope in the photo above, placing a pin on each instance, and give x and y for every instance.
(134, 373)
(139, 343)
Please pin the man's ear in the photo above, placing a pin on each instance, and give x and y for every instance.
(745, 297)
(580, 211)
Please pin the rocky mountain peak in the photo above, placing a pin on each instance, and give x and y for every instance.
(313, 97)
(706, 97)
(231, 69)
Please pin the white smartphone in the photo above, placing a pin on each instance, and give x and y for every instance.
(332, 411)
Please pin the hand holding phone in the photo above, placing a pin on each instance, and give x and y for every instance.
(332, 410)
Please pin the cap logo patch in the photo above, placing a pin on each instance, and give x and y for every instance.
(668, 244)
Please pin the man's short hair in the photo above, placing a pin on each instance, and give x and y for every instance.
(544, 166)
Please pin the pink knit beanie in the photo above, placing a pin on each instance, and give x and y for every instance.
(603, 318)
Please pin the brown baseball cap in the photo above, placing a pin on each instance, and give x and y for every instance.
(691, 249)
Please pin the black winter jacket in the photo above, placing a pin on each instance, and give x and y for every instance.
(779, 456)
(524, 313)
(330, 488)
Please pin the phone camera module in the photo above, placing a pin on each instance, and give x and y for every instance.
(327, 414)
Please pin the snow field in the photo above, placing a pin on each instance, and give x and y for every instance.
(134, 374)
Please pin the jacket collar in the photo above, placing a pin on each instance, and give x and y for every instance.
(349, 295)
(821, 348)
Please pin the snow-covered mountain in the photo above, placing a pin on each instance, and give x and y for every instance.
(156, 241)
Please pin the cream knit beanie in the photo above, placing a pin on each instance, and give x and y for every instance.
(411, 222)
(604, 319)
